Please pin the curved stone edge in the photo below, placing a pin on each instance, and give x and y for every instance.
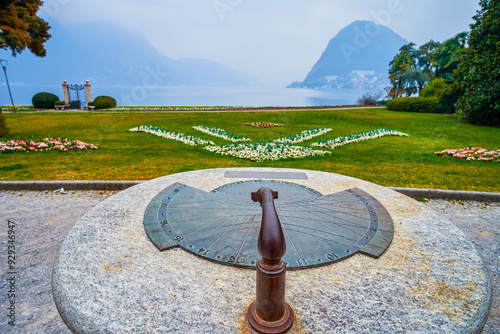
(474, 327)
(67, 185)
(121, 185)
(449, 194)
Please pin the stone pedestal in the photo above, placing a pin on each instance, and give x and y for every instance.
(109, 277)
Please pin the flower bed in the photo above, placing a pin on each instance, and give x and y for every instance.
(357, 137)
(475, 153)
(180, 137)
(216, 132)
(19, 108)
(303, 136)
(263, 124)
(265, 151)
(47, 144)
(204, 107)
(175, 108)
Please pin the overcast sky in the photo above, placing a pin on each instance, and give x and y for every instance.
(262, 37)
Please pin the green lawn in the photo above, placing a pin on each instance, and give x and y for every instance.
(389, 161)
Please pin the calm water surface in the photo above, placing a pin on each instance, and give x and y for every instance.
(245, 96)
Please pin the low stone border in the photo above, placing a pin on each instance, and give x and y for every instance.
(67, 185)
(121, 185)
(449, 194)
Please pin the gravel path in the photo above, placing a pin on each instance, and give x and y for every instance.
(42, 220)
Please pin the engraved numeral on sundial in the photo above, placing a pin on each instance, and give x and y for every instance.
(203, 251)
(231, 259)
(332, 256)
(302, 262)
(178, 238)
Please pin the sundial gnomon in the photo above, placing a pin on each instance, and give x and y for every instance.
(223, 225)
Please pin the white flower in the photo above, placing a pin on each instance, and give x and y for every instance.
(180, 137)
(303, 136)
(357, 137)
(216, 132)
(265, 151)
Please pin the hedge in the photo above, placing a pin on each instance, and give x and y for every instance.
(415, 104)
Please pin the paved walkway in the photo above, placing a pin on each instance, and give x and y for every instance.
(44, 218)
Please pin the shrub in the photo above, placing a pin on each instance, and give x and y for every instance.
(104, 102)
(44, 100)
(60, 103)
(446, 93)
(415, 104)
(369, 98)
(75, 104)
(4, 130)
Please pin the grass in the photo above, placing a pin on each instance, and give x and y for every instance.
(389, 161)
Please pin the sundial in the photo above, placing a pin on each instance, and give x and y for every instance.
(222, 225)
(324, 217)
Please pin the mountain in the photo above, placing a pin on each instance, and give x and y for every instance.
(114, 60)
(356, 58)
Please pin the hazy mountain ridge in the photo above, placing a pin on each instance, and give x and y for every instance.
(110, 56)
(356, 58)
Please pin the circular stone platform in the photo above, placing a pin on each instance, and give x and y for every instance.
(110, 278)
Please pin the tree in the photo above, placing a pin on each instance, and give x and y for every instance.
(478, 72)
(400, 71)
(21, 28)
(412, 69)
(425, 54)
(445, 59)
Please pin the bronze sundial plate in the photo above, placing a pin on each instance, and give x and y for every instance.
(223, 225)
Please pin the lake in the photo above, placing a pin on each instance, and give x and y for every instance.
(236, 96)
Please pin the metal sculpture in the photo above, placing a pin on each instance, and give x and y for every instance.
(269, 313)
(78, 88)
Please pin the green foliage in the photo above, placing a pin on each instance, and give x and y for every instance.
(4, 130)
(415, 104)
(478, 74)
(104, 102)
(60, 103)
(445, 59)
(445, 92)
(21, 28)
(411, 69)
(44, 100)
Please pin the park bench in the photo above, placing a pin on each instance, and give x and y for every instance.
(61, 106)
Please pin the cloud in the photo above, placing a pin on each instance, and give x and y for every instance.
(261, 37)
